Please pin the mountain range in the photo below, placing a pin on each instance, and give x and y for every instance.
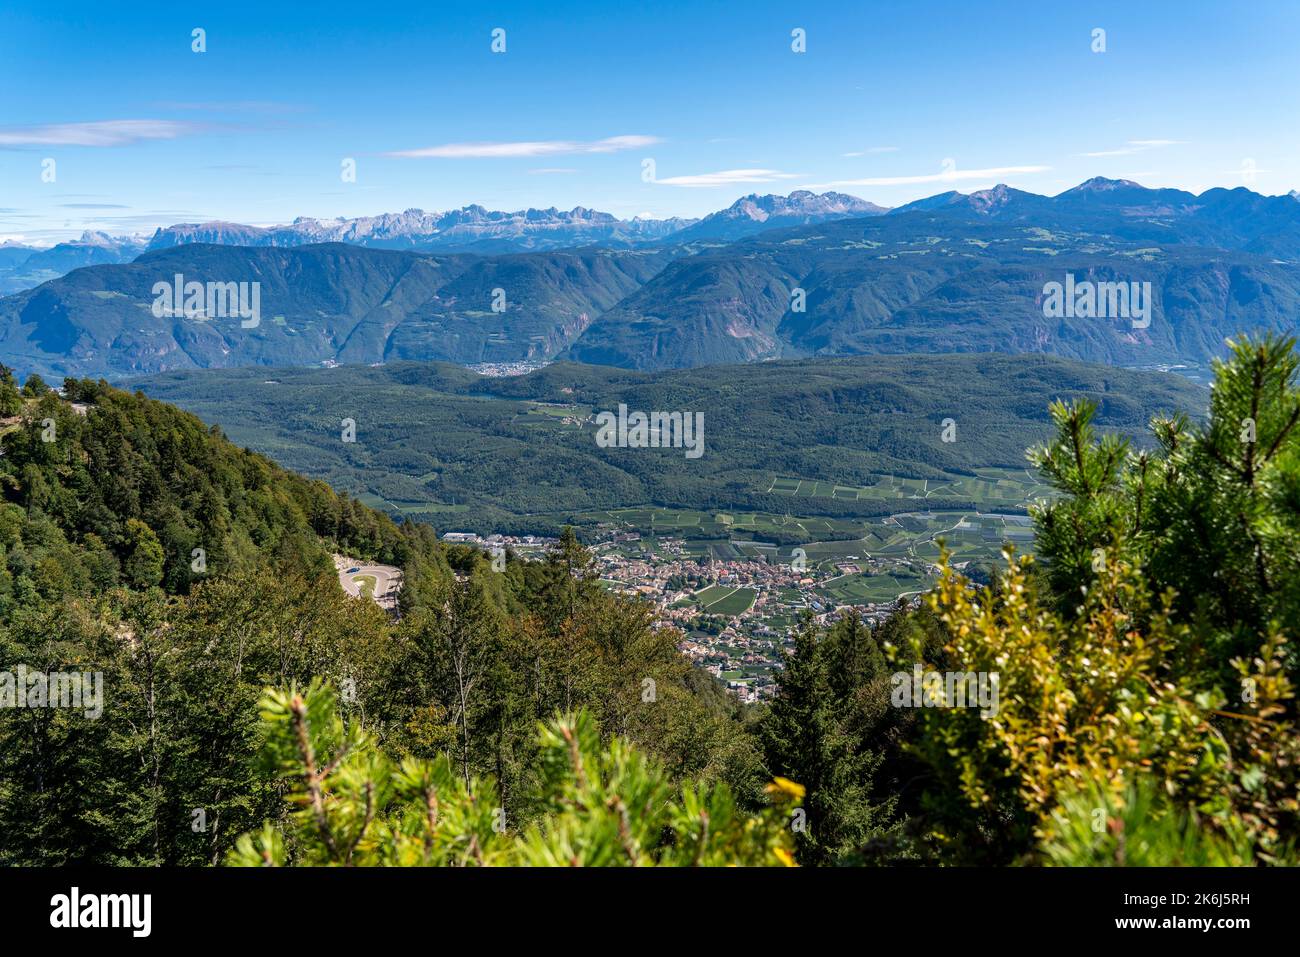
(753, 214)
(1237, 218)
(952, 273)
(475, 229)
(318, 303)
(471, 229)
(971, 275)
(22, 266)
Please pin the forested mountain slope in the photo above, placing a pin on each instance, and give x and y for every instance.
(185, 575)
(328, 302)
(944, 281)
(521, 452)
(952, 273)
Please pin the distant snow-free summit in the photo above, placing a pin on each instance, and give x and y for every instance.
(753, 213)
(470, 229)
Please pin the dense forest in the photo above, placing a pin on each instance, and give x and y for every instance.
(1144, 708)
(518, 455)
(107, 497)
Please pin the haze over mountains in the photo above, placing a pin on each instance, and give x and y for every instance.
(753, 214)
(951, 273)
(475, 229)
(22, 267)
(472, 229)
(969, 276)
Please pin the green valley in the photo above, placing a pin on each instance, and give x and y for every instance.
(824, 484)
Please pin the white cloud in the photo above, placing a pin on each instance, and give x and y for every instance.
(612, 144)
(951, 176)
(728, 177)
(1247, 171)
(1134, 146)
(871, 151)
(100, 133)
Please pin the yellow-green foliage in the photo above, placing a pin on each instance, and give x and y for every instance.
(1096, 828)
(1095, 703)
(602, 805)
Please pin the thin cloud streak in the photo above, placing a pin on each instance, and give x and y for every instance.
(612, 144)
(728, 177)
(99, 133)
(1134, 146)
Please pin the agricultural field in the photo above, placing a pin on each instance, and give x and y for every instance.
(724, 526)
(906, 535)
(552, 414)
(859, 589)
(724, 600)
(852, 561)
(989, 488)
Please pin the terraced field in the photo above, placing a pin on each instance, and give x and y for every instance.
(1000, 515)
(724, 525)
(856, 589)
(989, 487)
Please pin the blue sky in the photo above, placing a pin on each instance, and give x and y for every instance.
(146, 132)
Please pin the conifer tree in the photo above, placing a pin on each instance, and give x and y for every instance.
(603, 805)
(808, 736)
(11, 400)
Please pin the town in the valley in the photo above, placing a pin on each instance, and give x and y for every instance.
(735, 614)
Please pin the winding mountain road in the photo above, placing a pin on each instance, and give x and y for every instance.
(354, 572)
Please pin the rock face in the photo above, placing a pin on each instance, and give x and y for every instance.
(752, 214)
(472, 228)
(22, 267)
